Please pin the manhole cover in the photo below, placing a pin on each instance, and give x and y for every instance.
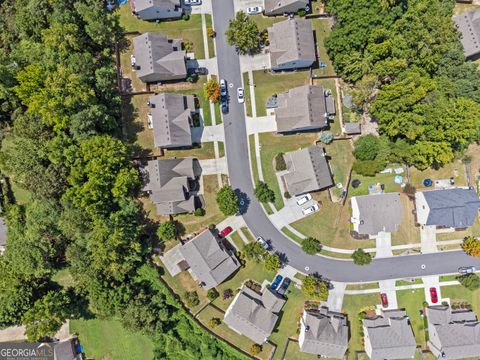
(307, 268)
(242, 202)
(423, 266)
(230, 85)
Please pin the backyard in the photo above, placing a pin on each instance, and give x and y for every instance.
(365, 181)
(340, 160)
(187, 30)
(455, 169)
(322, 29)
(201, 151)
(107, 339)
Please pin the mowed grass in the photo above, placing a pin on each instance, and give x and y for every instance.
(267, 84)
(126, 50)
(455, 169)
(271, 145)
(474, 230)
(230, 335)
(330, 225)
(322, 28)
(253, 158)
(340, 160)
(412, 302)
(248, 98)
(211, 44)
(190, 30)
(201, 151)
(386, 179)
(107, 339)
(352, 306)
(407, 232)
(458, 293)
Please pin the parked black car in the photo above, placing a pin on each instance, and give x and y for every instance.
(224, 107)
(283, 288)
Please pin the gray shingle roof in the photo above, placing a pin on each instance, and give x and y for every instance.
(171, 119)
(308, 170)
(325, 333)
(456, 334)
(209, 262)
(145, 4)
(167, 182)
(274, 7)
(379, 212)
(468, 23)
(291, 40)
(390, 336)
(254, 315)
(352, 128)
(456, 208)
(301, 108)
(65, 350)
(159, 58)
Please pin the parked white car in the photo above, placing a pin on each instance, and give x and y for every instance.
(310, 209)
(240, 96)
(467, 270)
(262, 242)
(254, 10)
(304, 199)
(193, 2)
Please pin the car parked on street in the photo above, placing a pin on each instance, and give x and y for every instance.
(240, 96)
(224, 107)
(283, 288)
(253, 10)
(384, 299)
(278, 279)
(262, 242)
(193, 2)
(304, 199)
(310, 209)
(433, 295)
(226, 231)
(223, 88)
(467, 270)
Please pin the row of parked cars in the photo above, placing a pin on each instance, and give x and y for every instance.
(309, 210)
(280, 286)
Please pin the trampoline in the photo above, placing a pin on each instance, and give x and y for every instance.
(427, 182)
(356, 183)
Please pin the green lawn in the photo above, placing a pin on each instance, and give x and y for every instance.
(253, 158)
(247, 234)
(272, 145)
(362, 286)
(407, 232)
(412, 302)
(264, 22)
(455, 169)
(211, 45)
(474, 230)
(294, 353)
(201, 152)
(221, 149)
(21, 195)
(458, 293)
(322, 28)
(237, 240)
(291, 235)
(386, 179)
(352, 305)
(190, 30)
(340, 161)
(405, 282)
(228, 334)
(448, 277)
(64, 278)
(248, 100)
(107, 339)
(266, 84)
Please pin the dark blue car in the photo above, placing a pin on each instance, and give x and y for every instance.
(276, 282)
(284, 286)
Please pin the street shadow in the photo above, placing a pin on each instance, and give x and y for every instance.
(243, 201)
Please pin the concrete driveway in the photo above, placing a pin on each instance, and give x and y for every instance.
(388, 287)
(291, 212)
(208, 134)
(428, 237)
(383, 244)
(429, 282)
(335, 296)
(256, 62)
(244, 4)
(214, 166)
(261, 124)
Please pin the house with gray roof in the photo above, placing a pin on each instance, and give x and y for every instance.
(352, 128)
(451, 208)
(303, 108)
(254, 315)
(171, 116)
(307, 170)
(468, 24)
(291, 45)
(169, 182)
(376, 213)
(323, 333)
(157, 58)
(453, 334)
(389, 336)
(280, 7)
(66, 350)
(209, 262)
(156, 9)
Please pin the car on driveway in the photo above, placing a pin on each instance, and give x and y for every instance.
(223, 88)
(262, 242)
(384, 299)
(193, 2)
(310, 209)
(240, 96)
(467, 270)
(433, 295)
(226, 231)
(278, 279)
(254, 10)
(283, 288)
(304, 199)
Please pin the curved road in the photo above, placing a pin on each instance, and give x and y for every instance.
(256, 219)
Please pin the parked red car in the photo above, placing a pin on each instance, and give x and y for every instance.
(433, 295)
(384, 298)
(226, 231)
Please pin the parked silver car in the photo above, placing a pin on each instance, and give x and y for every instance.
(467, 270)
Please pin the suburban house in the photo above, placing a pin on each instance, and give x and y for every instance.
(307, 170)
(291, 45)
(451, 208)
(280, 7)
(352, 128)
(389, 336)
(453, 334)
(156, 9)
(303, 108)
(171, 116)
(68, 349)
(376, 213)
(254, 315)
(3, 235)
(323, 333)
(170, 184)
(468, 24)
(157, 58)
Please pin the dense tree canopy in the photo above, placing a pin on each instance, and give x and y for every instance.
(410, 74)
(243, 33)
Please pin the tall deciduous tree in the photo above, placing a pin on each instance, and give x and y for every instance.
(243, 33)
(227, 201)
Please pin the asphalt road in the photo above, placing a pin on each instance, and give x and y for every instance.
(239, 172)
